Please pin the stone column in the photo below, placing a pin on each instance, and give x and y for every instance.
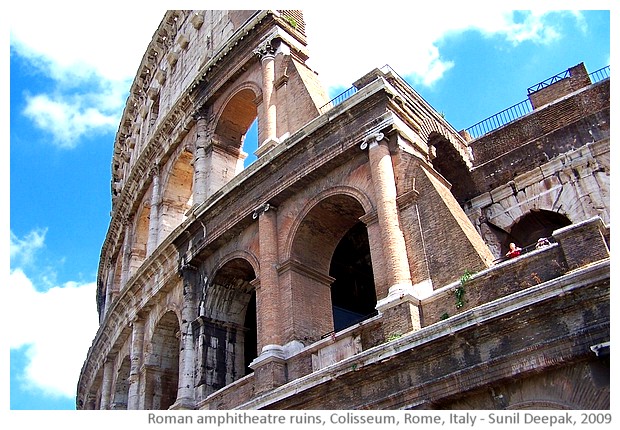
(152, 242)
(187, 354)
(400, 308)
(269, 366)
(136, 357)
(126, 261)
(384, 184)
(266, 52)
(201, 162)
(106, 384)
(267, 294)
(109, 286)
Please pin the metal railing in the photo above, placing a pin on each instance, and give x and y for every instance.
(549, 81)
(599, 75)
(338, 99)
(524, 107)
(499, 119)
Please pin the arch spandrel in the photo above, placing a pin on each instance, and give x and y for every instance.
(354, 194)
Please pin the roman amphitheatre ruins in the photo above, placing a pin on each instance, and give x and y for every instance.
(359, 261)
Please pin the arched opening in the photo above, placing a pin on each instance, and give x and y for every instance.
(121, 388)
(141, 234)
(332, 273)
(236, 131)
(353, 291)
(451, 165)
(229, 325)
(535, 224)
(177, 197)
(250, 143)
(162, 364)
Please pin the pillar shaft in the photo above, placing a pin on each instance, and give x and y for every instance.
(394, 248)
(106, 386)
(136, 355)
(187, 354)
(126, 261)
(269, 120)
(201, 162)
(267, 297)
(109, 286)
(152, 241)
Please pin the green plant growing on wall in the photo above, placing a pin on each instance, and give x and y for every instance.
(394, 336)
(292, 22)
(459, 292)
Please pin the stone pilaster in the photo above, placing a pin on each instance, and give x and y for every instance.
(266, 52)
(106, 384)
(187, 355)
(269, 366)
(400, 307)
(109, 287)
(154, 215)
(126, 261)
(136, 358)
(201, 161)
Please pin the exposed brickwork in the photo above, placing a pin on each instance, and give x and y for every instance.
(216, 288)
(578, 78)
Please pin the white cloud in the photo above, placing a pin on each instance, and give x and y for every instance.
(408, 39)
(81, 46)
(69, 119)
(56, 327)
(22, 250)
(91, 55)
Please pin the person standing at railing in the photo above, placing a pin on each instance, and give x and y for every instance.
(514, 251)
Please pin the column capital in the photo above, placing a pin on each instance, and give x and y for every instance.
(187, 268)
(267, 49)
(262, 209)
(154, 170)
(202, 114)
(371, 140)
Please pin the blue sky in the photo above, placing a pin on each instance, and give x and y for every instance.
(69, 77)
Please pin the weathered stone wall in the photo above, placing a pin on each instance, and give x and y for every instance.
(194, 241)
(577, 78)
(524, 144)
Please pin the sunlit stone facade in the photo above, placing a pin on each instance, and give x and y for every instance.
(358, 261)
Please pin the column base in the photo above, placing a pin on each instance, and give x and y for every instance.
(400, 311)
(269, 368)
(266, 146)
(183, 404)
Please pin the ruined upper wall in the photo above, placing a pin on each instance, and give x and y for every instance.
(540, 136)
(185, 45)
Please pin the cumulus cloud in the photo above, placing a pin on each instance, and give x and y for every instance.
(55, 327)
(89, 61)
(68, 119)
(80, 48)
(409, 39)
(22, 250)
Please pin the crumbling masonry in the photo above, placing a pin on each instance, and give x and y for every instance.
(358, 262)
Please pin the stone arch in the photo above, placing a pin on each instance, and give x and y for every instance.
(121, 386)
(250, 258)
(140, 237)
(533, 225)
(233, 120)
(162, 363)
(449, 162)
(329, 245)
(356, 194)
(229, 322)
(177, 193)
